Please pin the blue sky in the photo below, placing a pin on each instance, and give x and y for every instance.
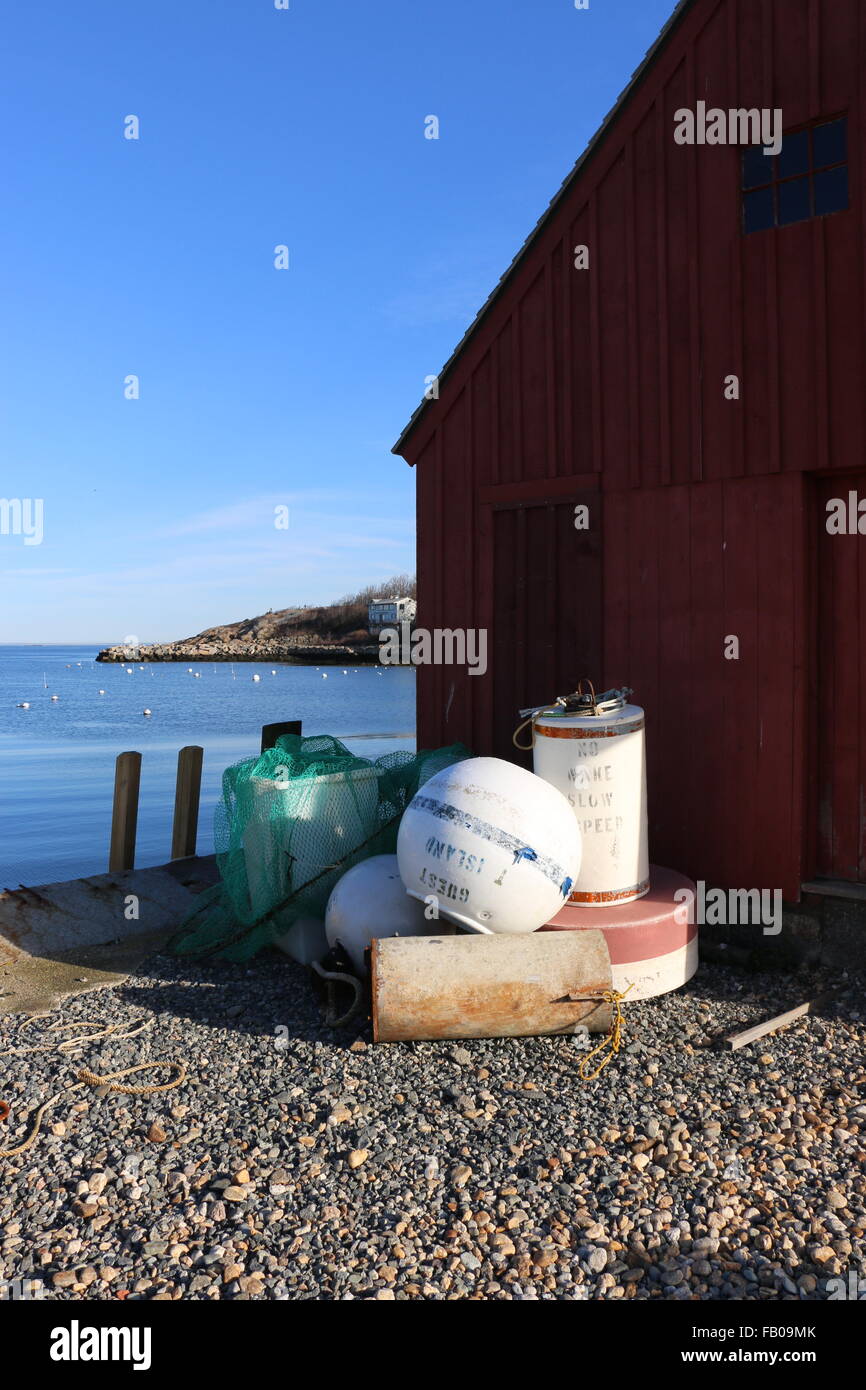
(258, 387)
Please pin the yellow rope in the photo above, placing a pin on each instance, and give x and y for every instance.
(89, 1078)
(612, 1040)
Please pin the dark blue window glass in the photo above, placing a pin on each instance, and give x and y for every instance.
(831, 191)
(829, 144)
(794, 201)
(794, 154)
(757, 167)
(808, 178)
(758, 210)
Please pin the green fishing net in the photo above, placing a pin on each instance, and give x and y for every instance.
(289, 825)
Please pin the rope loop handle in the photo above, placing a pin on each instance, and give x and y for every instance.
(527, 747)
(524, 747)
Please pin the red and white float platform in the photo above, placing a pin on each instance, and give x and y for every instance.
(652, 947)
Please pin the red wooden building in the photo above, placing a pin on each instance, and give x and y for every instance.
(610, 386)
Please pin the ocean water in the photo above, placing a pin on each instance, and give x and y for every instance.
(57, 757)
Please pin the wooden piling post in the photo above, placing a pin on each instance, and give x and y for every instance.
(124, 815)
(186, 801)
(271, 732)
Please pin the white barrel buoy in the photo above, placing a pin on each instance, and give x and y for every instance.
(299, 828)
(370, 901)
(497, 847)
(598, 762)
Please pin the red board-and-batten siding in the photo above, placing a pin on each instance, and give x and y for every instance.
(606, 385)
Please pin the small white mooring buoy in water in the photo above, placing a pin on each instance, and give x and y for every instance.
(256, 678)
(102, 692)
(25, 704)
(147, 711)
(273, 673)
(325, 676)
(55, 697)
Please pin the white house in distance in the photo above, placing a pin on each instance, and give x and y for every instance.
(386, 612)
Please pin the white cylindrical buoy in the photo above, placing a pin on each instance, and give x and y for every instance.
(299, 828)
(496, 847)
(370, 901)
(598, 762)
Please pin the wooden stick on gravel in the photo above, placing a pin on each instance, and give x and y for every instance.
(758, 1030)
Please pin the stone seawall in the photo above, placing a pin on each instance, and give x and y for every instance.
(298, 654)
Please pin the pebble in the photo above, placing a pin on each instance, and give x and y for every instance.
(728, 1177)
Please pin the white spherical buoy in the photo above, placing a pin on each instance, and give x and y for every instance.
(370, 901)
(102, 692)
(496, 846)
(325, 677)
(55, 697)
(256, 678)
(25, 704)
(147, 711)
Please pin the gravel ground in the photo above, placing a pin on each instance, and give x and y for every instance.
(296, 1162)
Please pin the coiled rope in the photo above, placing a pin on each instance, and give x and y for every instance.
(84, 1075)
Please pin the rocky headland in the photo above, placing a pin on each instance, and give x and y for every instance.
(331, 635)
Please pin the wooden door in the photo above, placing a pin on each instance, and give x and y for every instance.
(546, 607)
(841, 713)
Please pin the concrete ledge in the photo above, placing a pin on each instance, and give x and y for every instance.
(61, 917)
